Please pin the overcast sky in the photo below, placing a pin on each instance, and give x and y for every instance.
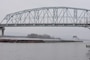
(10, 6)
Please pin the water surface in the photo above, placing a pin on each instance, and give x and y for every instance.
(44, 51)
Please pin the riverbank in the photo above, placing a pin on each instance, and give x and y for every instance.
(13, 39)
(33, 41)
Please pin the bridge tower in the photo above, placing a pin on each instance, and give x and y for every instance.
(2, 31)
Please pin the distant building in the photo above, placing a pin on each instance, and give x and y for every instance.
(75, 37)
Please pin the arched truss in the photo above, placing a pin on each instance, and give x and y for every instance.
(48, 16)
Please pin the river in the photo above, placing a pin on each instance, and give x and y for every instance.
(44, 51)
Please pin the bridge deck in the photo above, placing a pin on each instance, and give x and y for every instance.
(45, 25)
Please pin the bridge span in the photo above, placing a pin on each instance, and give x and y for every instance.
(48, 16)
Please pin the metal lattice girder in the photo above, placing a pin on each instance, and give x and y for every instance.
(64, 16)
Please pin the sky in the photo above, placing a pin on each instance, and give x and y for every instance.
(10, 6)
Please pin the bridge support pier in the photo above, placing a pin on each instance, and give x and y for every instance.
(2, 31)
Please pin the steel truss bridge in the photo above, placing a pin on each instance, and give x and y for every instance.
(48, 16)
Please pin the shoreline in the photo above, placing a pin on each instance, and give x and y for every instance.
(33, 41)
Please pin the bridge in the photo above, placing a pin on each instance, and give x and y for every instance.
(48, 16)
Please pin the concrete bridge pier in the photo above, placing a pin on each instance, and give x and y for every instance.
(2, 31)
